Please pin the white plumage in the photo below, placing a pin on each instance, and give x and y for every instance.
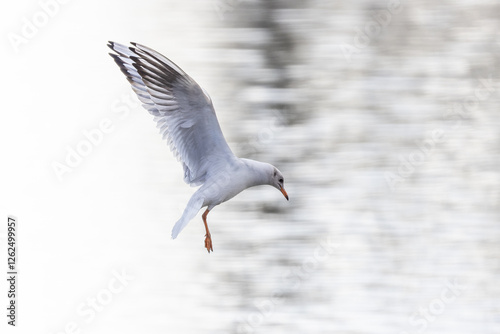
(186, 118)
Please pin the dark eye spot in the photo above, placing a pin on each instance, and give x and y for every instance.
(275, 173)
(280, 180)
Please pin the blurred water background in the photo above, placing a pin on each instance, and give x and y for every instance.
(383, 117)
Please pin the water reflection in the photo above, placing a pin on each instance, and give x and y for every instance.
(389, 229)
(343, 126)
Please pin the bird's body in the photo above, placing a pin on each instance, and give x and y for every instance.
(237, 176)
(186, 118)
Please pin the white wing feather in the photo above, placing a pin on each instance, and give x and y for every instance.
(183, 112)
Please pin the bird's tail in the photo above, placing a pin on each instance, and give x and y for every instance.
(194, 205)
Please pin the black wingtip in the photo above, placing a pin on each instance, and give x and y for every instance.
(115, 56)
(111, 45)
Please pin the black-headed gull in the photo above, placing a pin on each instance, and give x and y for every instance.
(186, 118)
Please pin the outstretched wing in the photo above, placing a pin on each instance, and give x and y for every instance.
(183, 111)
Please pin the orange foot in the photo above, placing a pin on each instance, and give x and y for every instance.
(208, 242)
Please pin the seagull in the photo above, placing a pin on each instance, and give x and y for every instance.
(185, 115)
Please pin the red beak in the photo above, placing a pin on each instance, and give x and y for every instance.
(284, 193)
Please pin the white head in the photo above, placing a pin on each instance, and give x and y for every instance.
(278, 182)
(263, 173)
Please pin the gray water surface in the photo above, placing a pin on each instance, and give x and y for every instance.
(390, 157)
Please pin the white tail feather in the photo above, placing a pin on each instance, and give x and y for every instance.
(194, 205)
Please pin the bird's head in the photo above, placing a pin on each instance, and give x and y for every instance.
(278, 182)
(262, 173)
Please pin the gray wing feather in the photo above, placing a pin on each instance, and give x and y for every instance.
(182, 110)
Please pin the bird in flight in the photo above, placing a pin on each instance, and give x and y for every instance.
(186, 118)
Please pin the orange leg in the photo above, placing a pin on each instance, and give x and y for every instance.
(208, 238)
